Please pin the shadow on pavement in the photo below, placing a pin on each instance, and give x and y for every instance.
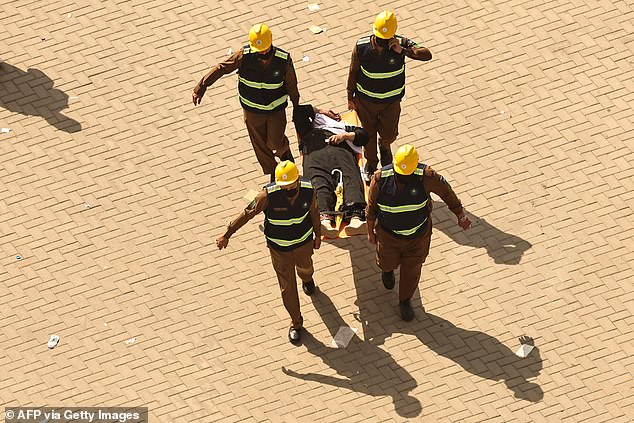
(31, 93)
(365, 367)
(502, 247)
(476, 352)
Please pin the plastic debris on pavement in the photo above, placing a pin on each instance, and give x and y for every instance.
(524, 350)
(229, 52)
(5, 130)
(18, 257)
(316, 29)
(313, 7)
(130, 341)
(343, 336)
(53, 341)
(305, 59)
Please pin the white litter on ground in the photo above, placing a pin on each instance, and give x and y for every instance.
(53, 341)
(343, 336)
(229, 52)
(6, 130)
(524, 350)
(316, 29)
(313, 7)
(129, 341)
(305, 59)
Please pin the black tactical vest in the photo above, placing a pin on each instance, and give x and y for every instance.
(262, 91)
(381, 78)
(403, 214)
(287, 226)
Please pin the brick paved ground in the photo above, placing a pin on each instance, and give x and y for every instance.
(113, 187)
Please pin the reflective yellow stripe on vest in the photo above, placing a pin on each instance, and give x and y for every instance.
(407, 232)
(281, 54)
(402, 209)
(382, 75)
(390, 172)
(287, 222)
(287, 243)
(260, 85)
(269, 106)
(380, 95)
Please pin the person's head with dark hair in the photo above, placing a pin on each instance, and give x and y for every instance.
(303, 116)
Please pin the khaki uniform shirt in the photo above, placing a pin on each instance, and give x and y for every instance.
(234, 61)
(261, 202)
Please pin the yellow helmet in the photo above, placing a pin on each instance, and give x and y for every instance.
(260, 37)
(385, 25)
(286, 173)
(405, 160)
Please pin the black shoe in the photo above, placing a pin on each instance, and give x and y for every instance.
(287, 156)
(295, 336)
(309, 287)
(388, 279)
(407, 313)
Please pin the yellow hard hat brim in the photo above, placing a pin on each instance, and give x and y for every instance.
(257, 50)
(284, 183)
(404, 172)
(378, 34)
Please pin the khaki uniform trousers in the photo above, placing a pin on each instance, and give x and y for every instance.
(382, 118)
(284, 264)
(409, 254)
(266, 131)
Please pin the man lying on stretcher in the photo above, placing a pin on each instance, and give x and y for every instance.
(328, 144)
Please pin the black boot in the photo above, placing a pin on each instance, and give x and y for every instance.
(295, 335)
(308, 287)
(407, 313)
(388, 279)
(287, 156)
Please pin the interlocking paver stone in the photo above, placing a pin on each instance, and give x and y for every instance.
(525, 108)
